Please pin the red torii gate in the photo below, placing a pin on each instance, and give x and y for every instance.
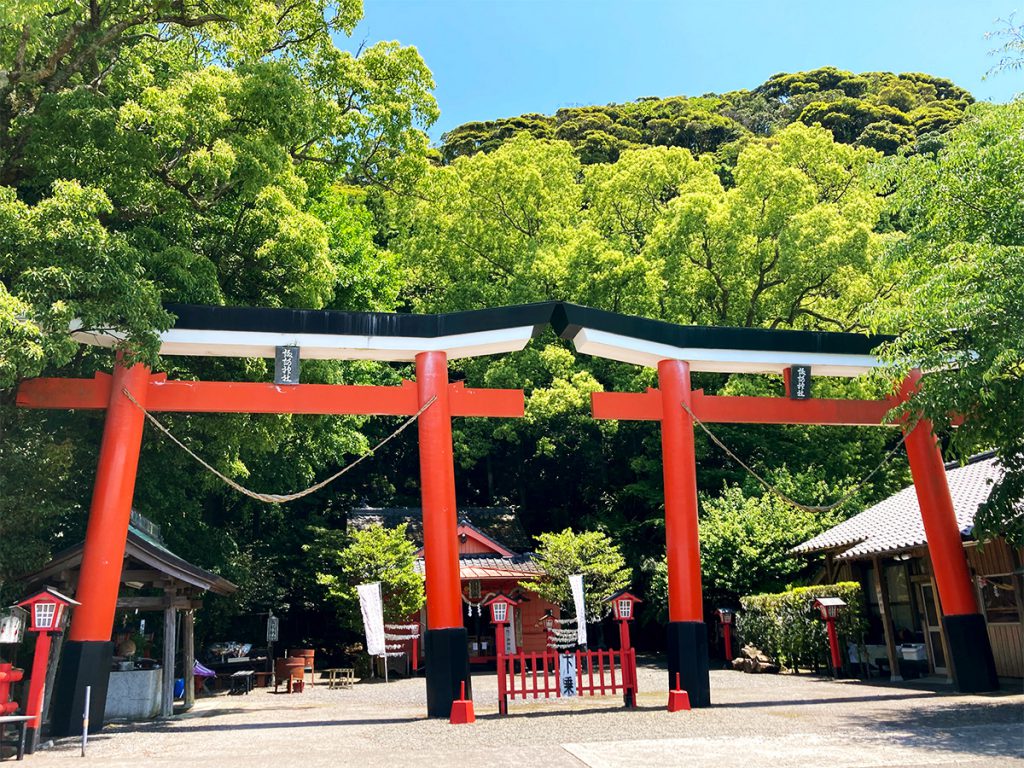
(87, 653)
(672, 350)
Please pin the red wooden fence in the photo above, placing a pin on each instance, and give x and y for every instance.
(536, 674)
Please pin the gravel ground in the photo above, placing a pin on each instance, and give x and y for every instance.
(756, 720)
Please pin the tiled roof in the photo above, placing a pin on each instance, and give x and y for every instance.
(895, 524)
(143, 546)
(498, 523)
(494, 567)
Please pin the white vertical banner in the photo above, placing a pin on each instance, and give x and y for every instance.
(576, 584)
(372, 606)
(510, 632)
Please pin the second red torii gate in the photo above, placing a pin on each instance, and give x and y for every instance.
(673, 351)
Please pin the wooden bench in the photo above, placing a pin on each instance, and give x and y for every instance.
(241, 682)
(340, 677)
(19, 721)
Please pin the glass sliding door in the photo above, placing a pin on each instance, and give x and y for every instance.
(932, 626)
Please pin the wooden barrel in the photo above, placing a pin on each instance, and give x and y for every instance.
(303, 653)
(289, 667)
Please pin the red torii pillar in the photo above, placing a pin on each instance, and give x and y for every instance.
(687, 634)
(971, 661)
(87, 654)
(970, 650)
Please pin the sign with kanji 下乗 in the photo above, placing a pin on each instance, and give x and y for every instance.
(286, 365)
(567, 675)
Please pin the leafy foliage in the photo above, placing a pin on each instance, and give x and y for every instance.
(591, 553)
(373, 554)
(1011, 49)
(881, 110)
(223, 153)
(962, 319)
(206, 140)
(787, 244)
(790, 631)
(746, 534)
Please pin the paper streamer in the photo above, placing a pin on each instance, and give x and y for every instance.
(372, 607)
(576, 584)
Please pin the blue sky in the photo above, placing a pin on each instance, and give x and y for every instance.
(498, 58)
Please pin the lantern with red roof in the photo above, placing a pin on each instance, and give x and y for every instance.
(830, 608)
(501, 606)
(48, 613)
(624, 610)
(726, 616)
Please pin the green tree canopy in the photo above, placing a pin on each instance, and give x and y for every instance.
(845, 102)
(745, 538)
(373, 554)
(591, 553)
(188, 153)
(223, 153)
(962, 317)
(789, 245)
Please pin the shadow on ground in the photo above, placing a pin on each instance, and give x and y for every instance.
(198, 728)
(825, 700)
(990, 728)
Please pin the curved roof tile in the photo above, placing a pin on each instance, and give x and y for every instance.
(895, 523)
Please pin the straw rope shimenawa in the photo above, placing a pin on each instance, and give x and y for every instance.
(277, 498)
(774, 490)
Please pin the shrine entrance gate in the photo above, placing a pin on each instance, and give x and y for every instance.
(430, 341)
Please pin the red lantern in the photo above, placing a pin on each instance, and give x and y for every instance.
(726, 616)
(501, 614)
(47, 610)
(624, 610)
(48, 615)
(623, 603)
(501, 608)
(829, 608)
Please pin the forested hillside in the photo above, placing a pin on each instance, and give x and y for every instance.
(880, 110)
(211, 159)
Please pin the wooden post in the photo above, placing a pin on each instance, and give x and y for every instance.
(882, 589)
(34, 702)
(687, 635)
(51, 677)
(167, 695)
(499, 649)
(188, 644)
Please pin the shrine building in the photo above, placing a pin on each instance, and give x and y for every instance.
(885, 548)
(494, 557)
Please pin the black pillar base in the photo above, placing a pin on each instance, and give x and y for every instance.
(970, 653)
(27, 741)
(447, 652)
(688, 656)
(83, 663)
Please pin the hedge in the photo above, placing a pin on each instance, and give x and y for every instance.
(789, 630)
